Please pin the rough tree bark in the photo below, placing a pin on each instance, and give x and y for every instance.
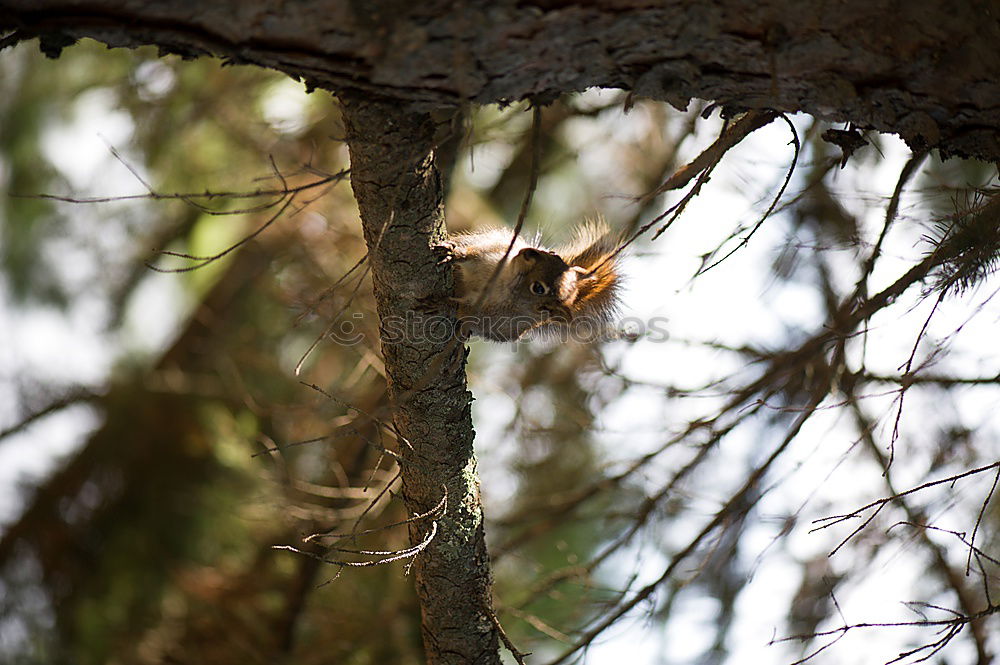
(923, 69)
(400, 194)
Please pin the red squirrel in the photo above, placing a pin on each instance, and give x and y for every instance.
(536, 288)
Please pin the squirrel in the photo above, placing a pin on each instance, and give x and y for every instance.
(536, 288)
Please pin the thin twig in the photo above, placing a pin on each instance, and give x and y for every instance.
(69, 399)
(979, 520)
(767, 213)
(518, 655)
(389, 558)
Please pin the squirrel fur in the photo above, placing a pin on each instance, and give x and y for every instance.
(536, 287)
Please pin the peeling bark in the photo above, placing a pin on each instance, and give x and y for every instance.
(923, 69)
(401, 198)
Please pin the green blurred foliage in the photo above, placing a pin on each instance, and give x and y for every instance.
(152, 541)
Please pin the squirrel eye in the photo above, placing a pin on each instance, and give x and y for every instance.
(539, 289)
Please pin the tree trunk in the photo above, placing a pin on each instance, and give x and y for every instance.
(399, 192)
(923, 69)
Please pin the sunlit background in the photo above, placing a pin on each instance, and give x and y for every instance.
(141, 400)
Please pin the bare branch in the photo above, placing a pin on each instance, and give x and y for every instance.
(386, 557)
(951, 628)
(767, 213)
(880, 503)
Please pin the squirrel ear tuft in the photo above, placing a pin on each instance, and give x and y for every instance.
(529, 254)
(580, 273)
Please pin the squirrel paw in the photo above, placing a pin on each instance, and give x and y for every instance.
(445, 252)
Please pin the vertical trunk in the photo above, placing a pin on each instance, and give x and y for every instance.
(400, 195)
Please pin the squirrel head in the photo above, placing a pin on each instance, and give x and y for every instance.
(546, 284)
(536, 288)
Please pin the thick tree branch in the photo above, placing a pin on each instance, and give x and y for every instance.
(923, 69)
(401, 198)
